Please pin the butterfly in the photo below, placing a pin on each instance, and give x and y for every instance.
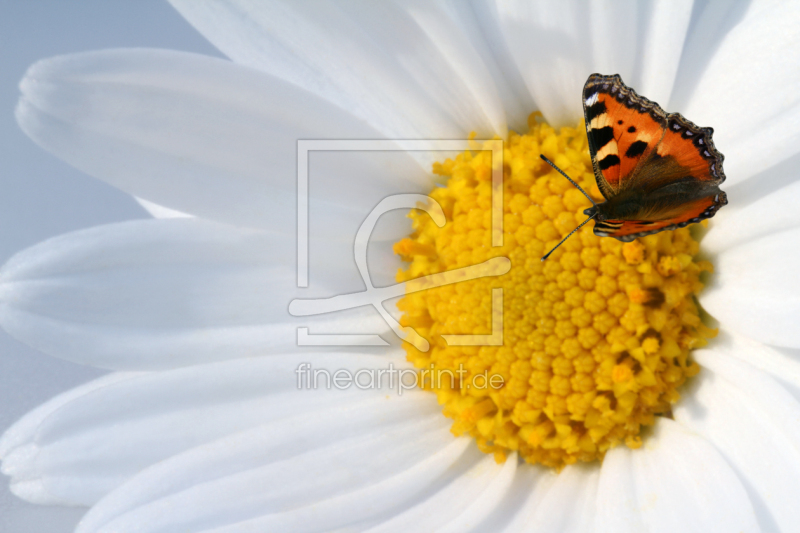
(657, 171)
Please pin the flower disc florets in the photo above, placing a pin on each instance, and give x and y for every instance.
(596, 339)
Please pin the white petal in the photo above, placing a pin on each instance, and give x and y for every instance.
(745, 220)
(755, 290)
(528, 486)
(372, 59)
(159, 211)
(558, 44)
(618, 507)
(746, 91)
(710, 23)
(480, 22)
(96, 441)
(461, 505)
(755, 424)
(553, 52)
(663, 32)
(165, 293)
(25, 428)
(680, 470)
(466, 64)
(207, 137)
(783, 367)
(328, 469)
(560, 503)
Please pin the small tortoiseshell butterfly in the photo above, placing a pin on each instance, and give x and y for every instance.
(656, 170)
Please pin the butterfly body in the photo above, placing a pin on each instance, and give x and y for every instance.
(656, 170)
(646, 216)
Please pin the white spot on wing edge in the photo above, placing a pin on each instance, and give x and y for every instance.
(592, 99)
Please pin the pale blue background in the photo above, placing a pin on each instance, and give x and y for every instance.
(41, 197)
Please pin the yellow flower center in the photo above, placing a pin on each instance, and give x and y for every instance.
(595, 340)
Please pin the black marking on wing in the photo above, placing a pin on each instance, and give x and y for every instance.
(608, 161)
(636, 149)
(601, 137)
(595, 110)
(590, 91)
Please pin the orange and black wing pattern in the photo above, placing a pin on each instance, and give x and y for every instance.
(622, 128)
(657, 171)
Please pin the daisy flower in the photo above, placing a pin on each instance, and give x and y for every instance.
(604, 421)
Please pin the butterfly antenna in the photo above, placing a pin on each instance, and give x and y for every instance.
(572, 182)
(568, 236)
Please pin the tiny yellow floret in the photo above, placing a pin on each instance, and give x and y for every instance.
(595, 340)
(621, 374)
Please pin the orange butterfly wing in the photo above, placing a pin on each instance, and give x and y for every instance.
(692, 149)
(622, 128)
